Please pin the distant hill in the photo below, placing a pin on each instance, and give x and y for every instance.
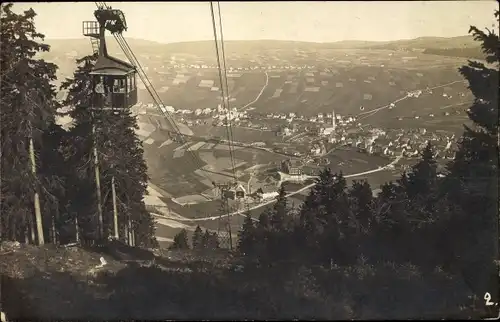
(64, 52)
(472, 52)
(202, 48)
(430, 43)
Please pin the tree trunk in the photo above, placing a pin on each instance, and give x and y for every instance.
(54, 230)
(115, 209)
(38, 213)
(130, 232)
(32, 231)
(127, 233)
(77, 229)
(98, 185)
(26, 234)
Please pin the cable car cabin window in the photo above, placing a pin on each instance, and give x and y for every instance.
(131, 82)
(119, 85)
(99, 87)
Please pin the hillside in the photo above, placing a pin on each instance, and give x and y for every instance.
(61, 283)
(430, 42)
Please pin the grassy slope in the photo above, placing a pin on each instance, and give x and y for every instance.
(55, 283)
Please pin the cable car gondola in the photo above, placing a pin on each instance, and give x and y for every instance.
(113, 80)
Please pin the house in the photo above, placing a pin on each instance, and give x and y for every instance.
(239, 191)
(332, 139)
(266, 193)
(292, 167)
(328, 130)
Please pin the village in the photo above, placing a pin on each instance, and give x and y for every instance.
(312, 137)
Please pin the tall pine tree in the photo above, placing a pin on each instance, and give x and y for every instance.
(247, 238)
(120, 157)
(180, 241)
(472, 182)
(30, 187)
(197, 239)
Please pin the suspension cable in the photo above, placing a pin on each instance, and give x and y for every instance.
(228, 115)
(231, 139)
(150, 88)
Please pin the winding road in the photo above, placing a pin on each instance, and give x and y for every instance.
(260, 93)
(260, 205)
(375, 110)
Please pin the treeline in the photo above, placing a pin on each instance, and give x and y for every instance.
(470, 52)
(49, 183)
(200, 241)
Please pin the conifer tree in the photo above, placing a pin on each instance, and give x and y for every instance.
(82, 205)
(472, 183)
(280, 211)
(421, 189)
(210, 241)
(247, 237)
(262, 231)
(422, 179)
(360, 199)
(120, 157)
(215, 240)
(180, 241)
(197, 239)
(26, 117)
(279, 235)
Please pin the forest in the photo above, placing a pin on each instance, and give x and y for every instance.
(49, 191)
(342, 245)
(475, 52)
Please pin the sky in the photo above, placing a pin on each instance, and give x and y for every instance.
(318, 21)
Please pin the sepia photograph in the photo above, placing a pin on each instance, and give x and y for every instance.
(252, 160)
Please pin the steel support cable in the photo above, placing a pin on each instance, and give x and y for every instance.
(128, 52)
(231, 139)
(224, 62)
(227, 87)
(222, 84)
(130, 55)
(229, 123)
(149, 86)
(220, 73)
(133, 59)
(151, 89)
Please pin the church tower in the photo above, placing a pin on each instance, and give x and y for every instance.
(333, 120)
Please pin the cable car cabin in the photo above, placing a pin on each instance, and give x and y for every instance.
(114, 85)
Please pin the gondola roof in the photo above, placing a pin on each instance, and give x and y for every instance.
(110, 65)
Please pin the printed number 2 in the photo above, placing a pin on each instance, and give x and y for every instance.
(487, 298)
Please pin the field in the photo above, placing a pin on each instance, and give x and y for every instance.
(243, 89)
(172, 167)
(352, 82)
(353, 87)
(240, 134)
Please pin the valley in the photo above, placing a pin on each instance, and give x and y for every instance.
(351, 109)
